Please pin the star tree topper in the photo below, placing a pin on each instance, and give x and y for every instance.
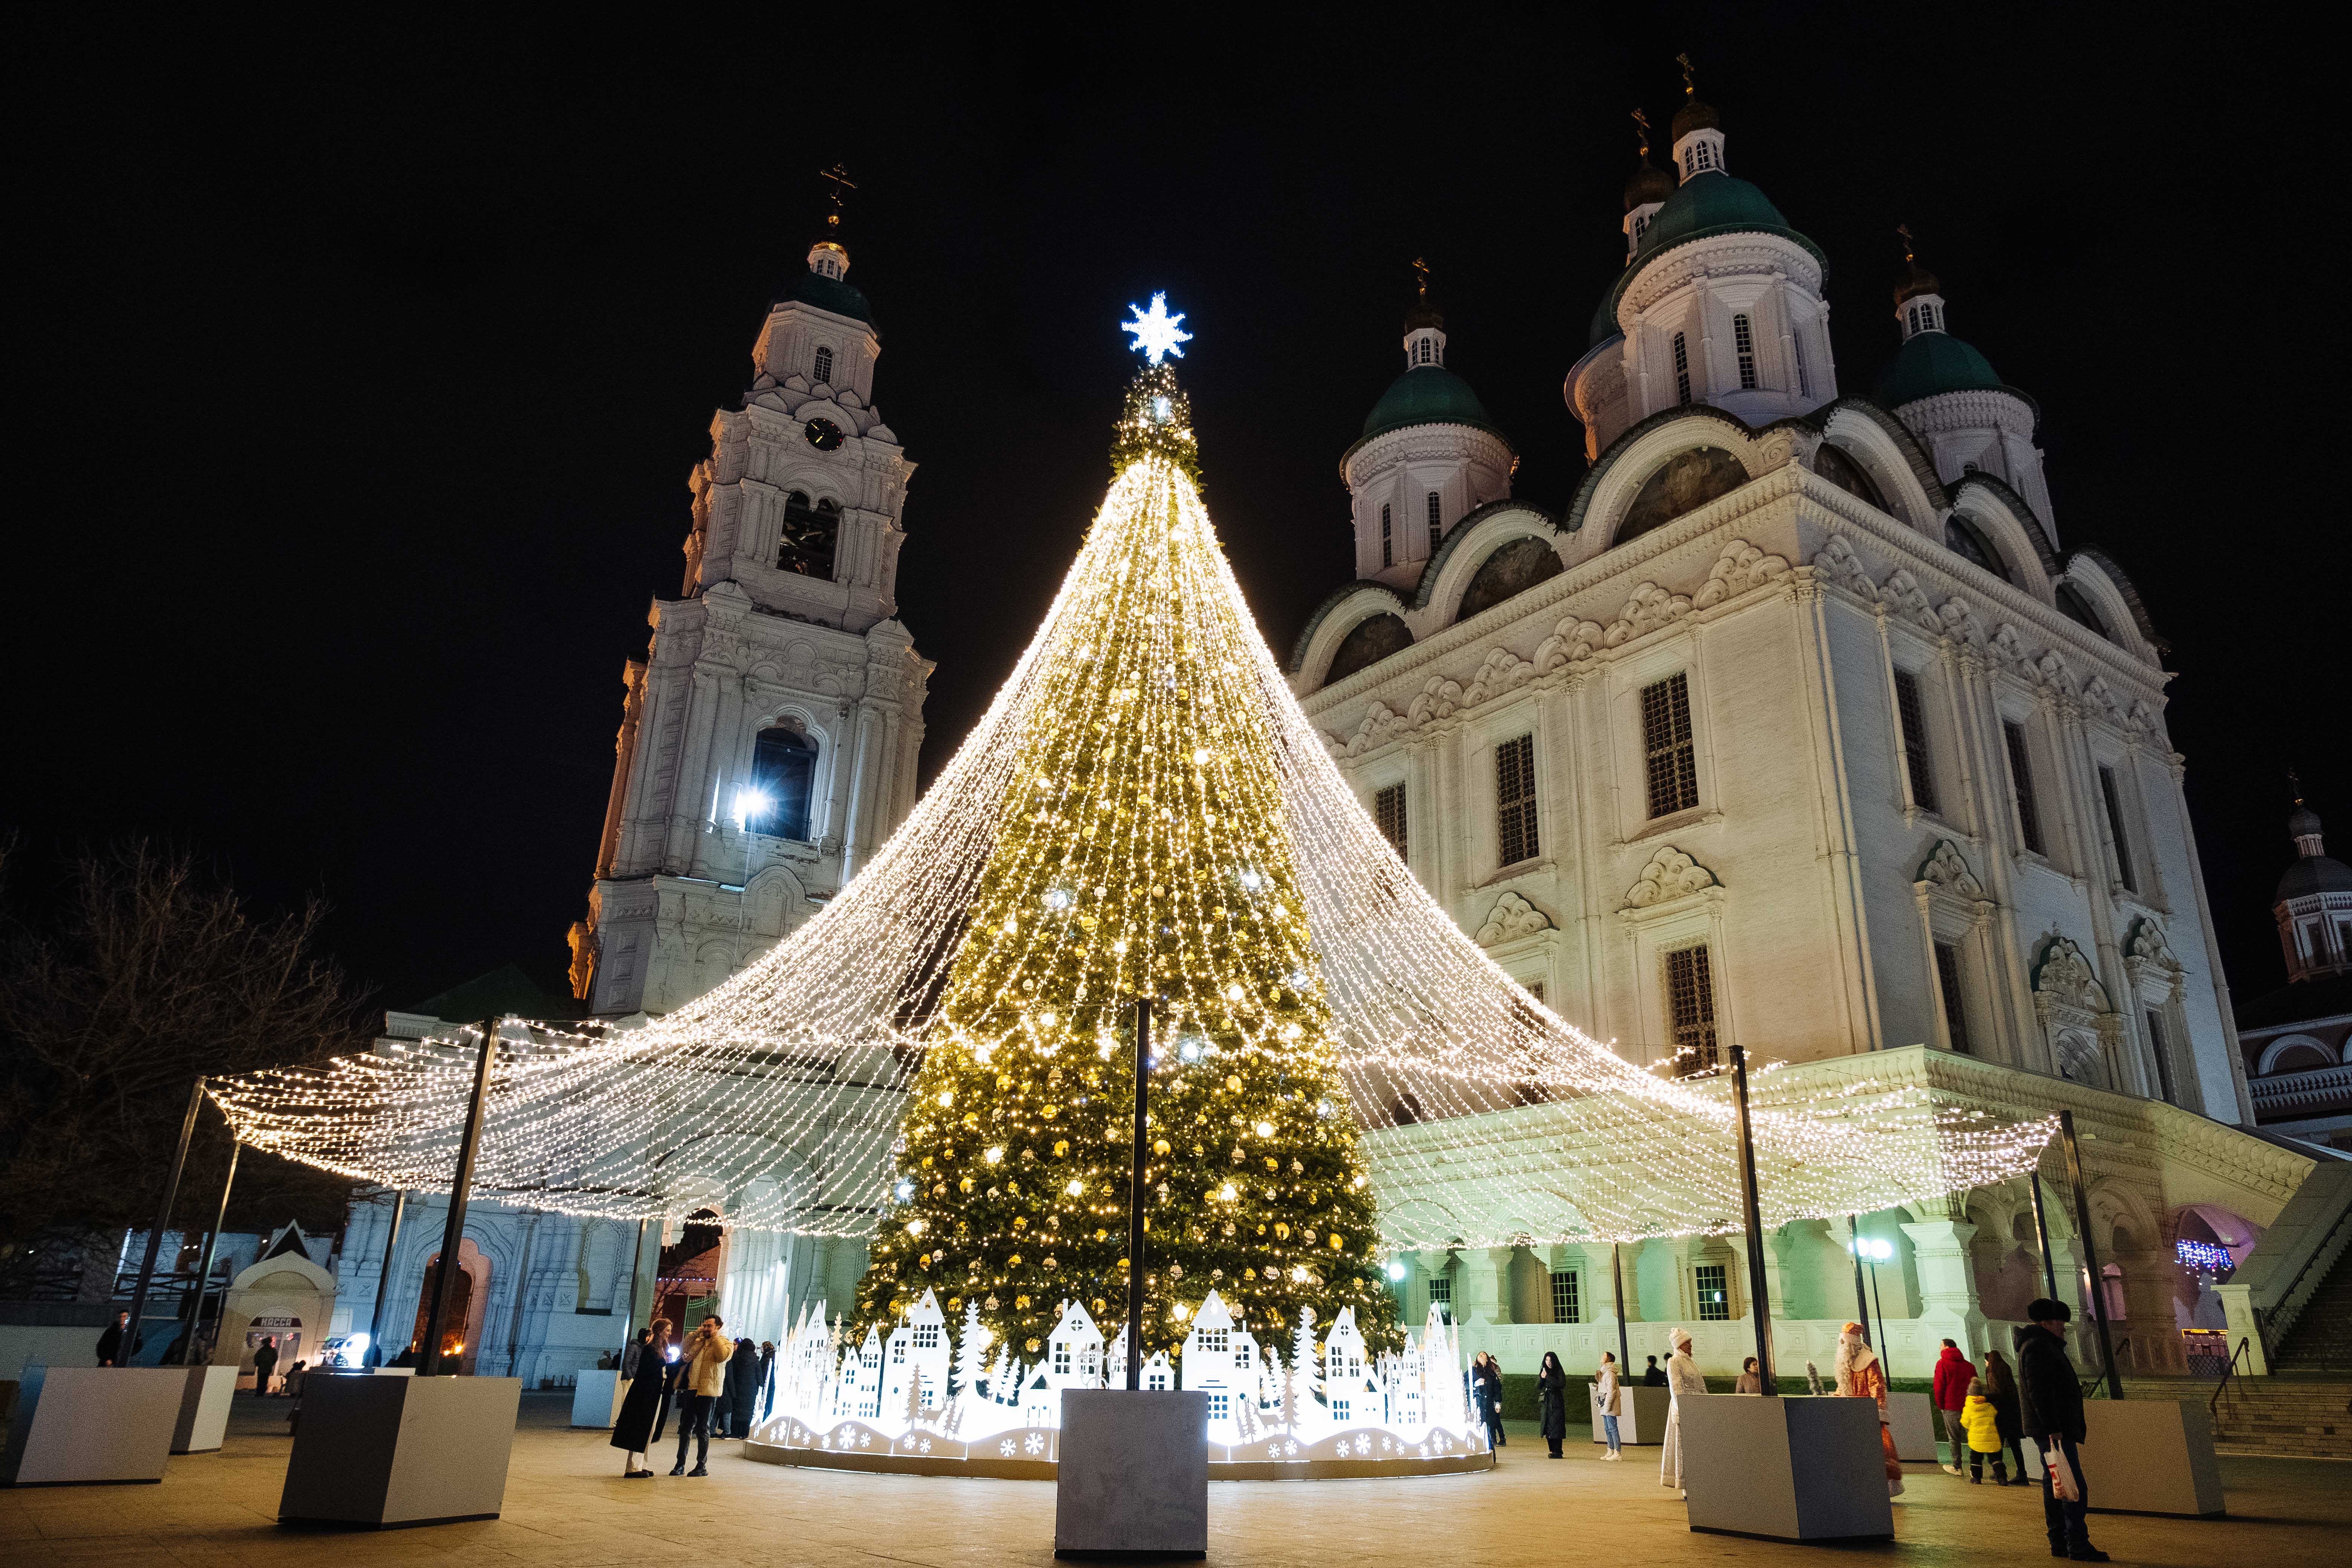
(1158, 333)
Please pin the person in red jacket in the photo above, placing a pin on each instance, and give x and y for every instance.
(1954, 1373)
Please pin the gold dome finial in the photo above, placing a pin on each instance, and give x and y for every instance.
(1642, 131)
(1420, 275)
(1918, 280)
(1690, 83)
(841, 185)
(1697, 113)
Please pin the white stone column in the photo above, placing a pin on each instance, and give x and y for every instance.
(1482, 1284)
(1947, 1281)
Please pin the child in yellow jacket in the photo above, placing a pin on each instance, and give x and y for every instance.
(1977, 1420)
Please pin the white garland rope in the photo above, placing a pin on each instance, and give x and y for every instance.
(778, 1097)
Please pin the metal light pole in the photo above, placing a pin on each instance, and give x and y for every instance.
(205, 1264)
(1617, 1269)
(2090, 1252)
(1135, 1204)
(162, 1217)
(383, 1276)
(2042, 1234)
(452, 1234)
(1861, 1297)
(1759, 1295)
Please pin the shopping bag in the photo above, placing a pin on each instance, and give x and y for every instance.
(2064, 1485)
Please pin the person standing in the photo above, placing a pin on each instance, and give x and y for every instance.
(1862, 1375)
(2000, 1389)
(1551, 1388)
(114, 1345)
(265, 1364)
(742, 1384)
(1954, 1373)
(1751, 1380)
(645, 1373)
(1683, 1378)
(1653, 1376)
(767, 1379)
(1607, 1401)
(2049, 1398)
(701, 1379)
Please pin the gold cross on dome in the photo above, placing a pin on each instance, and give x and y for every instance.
(1909, 248)
(841, 183)
(1690, 85)
(1420, 275)
(1641, 123)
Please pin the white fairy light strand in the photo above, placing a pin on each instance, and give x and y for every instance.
(778, 1098)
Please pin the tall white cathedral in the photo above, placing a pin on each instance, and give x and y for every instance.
(1800, 729)
(768, 744)
(768, 740)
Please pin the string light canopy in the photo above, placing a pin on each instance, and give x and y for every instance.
(1143, 809)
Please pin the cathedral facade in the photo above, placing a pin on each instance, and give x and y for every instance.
(1801, 727)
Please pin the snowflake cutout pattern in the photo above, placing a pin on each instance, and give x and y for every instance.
(1156, 334)
(1035, 1442)
(1273, 1450)
(927, 1444)
(1005, 1448)
(1363, 1444)
(1291, 1446)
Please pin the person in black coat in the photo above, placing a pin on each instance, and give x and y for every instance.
(1551, 1385)
(743, 1385)
(2000, 1391)
(767, 1386)
(635, 1430)
(1653, 1376)
(265, 1362)
(112, 1344)
(2049, 1400)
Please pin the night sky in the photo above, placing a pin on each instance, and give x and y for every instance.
(359, 376)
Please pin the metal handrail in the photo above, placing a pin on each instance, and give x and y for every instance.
(2272, 1330)
(2213, 1406)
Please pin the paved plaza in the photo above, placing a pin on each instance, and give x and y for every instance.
(566, 1504)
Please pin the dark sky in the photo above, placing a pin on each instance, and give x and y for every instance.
(359, 376)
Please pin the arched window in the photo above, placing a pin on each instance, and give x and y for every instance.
(808, 535)
(1388, 540)
(1964, 538)
(825, 365)
(783, 768)
(1436, 520)
(1681, 369)
(1743, 340)
(2075, 607)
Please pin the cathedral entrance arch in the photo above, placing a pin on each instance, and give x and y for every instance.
(469, 1302)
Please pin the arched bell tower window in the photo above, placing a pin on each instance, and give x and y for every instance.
(1743, 340)
(809, 533)
(1965, 538)
(1388, 541)
(1681, 369)
(825, 365)
(784, 771)
(1436, 520)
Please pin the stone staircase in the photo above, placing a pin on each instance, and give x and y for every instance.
(2320, 1340)
(2276, 1417)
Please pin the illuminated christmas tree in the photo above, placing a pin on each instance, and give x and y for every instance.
(1143, 851)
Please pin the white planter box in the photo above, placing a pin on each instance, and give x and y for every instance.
(1911, 1422)
(203, 1408)
(1785, 1469)
(1134, 1474)
(390, 1451)
(1641, 1417)
(74, 1426)
(596, 1398)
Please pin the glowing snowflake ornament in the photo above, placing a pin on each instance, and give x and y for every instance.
(1158, 333)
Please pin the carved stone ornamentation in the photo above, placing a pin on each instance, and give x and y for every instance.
(1742, 567)
(2148, 944)
(1503, 671)
(1960, 623)
(1650, 608)
(1571, 642)
(2009, 648)
(1671, 874)
(1904, 597)
(1947, 868)
(1512, 918)
(1439, 699)
(1378, 723)
(1836, 561)
(2064, 979)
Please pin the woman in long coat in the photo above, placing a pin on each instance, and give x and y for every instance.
(1551, 1384)
(648, 1371)
(1862, 1375)
(2000, 1393)
(742, 1386)
(1683, 1378)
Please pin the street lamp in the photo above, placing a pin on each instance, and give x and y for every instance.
(1875, 1250)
